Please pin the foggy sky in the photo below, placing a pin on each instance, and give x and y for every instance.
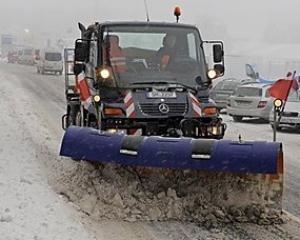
(239, 19)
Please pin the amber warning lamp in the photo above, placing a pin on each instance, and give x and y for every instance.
(177, 13)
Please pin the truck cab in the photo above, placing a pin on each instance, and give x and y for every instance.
(147, 77)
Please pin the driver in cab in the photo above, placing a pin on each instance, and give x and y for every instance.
(167, 52)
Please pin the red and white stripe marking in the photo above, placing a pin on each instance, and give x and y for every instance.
(84, 90)
(195, 105)
(129, 105)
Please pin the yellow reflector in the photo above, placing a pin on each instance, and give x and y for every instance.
(113, 111)
(210, 111)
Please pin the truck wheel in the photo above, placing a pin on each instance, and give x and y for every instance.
(72, 114)
(237, 118)
(60, 72)
(78, 118)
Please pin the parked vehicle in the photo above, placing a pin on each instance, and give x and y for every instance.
(36, 56)
(221, 92)
(12, 57)
(50, 60)
(250, 100)
(291, 113)
(26, 56)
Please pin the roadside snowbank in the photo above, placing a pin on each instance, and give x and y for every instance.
(29, 208)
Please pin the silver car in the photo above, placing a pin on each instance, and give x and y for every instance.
(250, 100)
(221, 92)
(291, 114)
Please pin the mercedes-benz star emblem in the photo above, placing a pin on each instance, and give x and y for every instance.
(163, 108)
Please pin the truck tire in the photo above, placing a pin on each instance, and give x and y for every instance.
(237, 118)
(73, 111)
(78, 118)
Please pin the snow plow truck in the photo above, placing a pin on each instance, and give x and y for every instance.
(140, 99)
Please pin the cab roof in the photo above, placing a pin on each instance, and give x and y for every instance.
(143, 23)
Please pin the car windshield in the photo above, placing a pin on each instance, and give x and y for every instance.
(51, 56)
(249, 92)
(229, 85)
(141, 54)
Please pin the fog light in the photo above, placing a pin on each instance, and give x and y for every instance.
(111, 130)
(215, 130)
(97, 98)
(115, 130)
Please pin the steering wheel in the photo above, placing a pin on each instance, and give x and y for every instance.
(183, 65)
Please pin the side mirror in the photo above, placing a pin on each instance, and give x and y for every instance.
(78, 68)
(81, 51)
(199, 80)
(220, 69)
(218, 53)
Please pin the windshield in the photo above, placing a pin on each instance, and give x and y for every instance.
(52, 56)
(141, 54)
(226, 85)
(249, 92)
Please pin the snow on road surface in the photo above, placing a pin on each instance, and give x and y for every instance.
(31, 107)
(29, 209)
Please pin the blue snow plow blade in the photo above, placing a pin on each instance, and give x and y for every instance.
(175, 153)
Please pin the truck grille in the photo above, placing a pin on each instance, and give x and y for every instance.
(152, 109)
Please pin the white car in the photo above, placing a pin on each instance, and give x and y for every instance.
(50, 60)
(26, 56)
(291, 114)
(250, 100)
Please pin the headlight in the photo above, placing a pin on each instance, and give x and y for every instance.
(104, 73)
(212, 73)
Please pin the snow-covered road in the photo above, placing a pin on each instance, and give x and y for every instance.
(31, 107)
(29, 208)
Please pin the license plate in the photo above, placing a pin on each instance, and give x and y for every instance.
(158, 94)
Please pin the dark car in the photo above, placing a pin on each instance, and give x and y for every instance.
(221, 92)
